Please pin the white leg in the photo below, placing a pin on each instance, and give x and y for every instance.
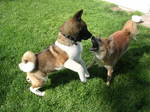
(76, 67)
(85, 69)
(36, 91)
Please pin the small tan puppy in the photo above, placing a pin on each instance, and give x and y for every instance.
(65, 53)
(109, 50)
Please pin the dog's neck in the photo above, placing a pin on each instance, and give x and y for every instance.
(63, 40)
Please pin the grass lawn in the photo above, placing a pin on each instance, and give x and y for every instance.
(34, 24)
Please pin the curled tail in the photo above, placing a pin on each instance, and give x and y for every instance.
(131, 25)
(137, 19)
(28, 62)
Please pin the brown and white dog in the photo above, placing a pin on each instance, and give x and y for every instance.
(65, 53)
(109, 50)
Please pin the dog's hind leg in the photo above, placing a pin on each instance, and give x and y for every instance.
(37, 91)
(76, 67)
(36, 85)
(109, 73)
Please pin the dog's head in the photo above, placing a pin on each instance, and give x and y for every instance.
(75, 28)
(99, 46)
(96, 42)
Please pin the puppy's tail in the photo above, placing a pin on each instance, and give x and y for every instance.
(130, 26)
(137, 19)
(28, 62)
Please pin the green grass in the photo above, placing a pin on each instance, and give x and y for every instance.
(34, 24)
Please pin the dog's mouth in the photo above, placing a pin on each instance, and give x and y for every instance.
(95, 44)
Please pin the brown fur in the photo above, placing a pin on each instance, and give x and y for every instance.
(53, 57)
(46, 61)
(112, 48)
(61, 39)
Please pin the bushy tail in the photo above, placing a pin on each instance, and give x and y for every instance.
(28, 62)
(137, 19)
(131, 25)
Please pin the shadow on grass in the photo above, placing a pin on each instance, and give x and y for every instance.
(126, 64)
(126, 95)
(61, 78)
(131, 94)
(130, 60)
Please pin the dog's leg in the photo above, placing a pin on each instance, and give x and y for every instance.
(76, 67)
(37, 91)
(92, 62)
(85, 69)
(109, 74)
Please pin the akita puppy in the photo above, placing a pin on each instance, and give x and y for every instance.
(65, 53)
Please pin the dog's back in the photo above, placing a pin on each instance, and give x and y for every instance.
(119, 42)
(122, 38)
(51, 59)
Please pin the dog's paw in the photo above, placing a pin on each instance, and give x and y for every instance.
(83, 80)
(87, 75)
(37, 92)
(108, 83)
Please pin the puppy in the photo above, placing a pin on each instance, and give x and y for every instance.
(109, 50)
(65, 53)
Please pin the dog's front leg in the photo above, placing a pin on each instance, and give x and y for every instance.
(109, 73)
(76, 67)
(85, 69)
(37, 91)
(92, 62)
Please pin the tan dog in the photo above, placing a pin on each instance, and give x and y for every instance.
(109, 50)
(65, 53)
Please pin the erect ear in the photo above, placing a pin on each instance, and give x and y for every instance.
(78, 15)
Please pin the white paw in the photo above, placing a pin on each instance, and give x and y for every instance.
(107, 83)
(83, 80)
(37, 92)
(87, 75)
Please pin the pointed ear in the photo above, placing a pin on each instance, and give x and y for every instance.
(78, 15)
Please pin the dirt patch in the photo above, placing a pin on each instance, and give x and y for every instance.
(120, 8)
(146, 18)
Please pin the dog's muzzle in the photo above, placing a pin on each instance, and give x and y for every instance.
(95, 44)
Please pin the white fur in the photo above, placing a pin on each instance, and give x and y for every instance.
(59, 68)
(27, 67)
(136, 18)
(73, 51)
(99, 56)
(75, 63)
(76, 67)
(36, 91)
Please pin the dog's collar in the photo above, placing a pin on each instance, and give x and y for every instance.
(72, 38)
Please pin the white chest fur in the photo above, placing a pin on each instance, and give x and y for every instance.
(73, 51)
